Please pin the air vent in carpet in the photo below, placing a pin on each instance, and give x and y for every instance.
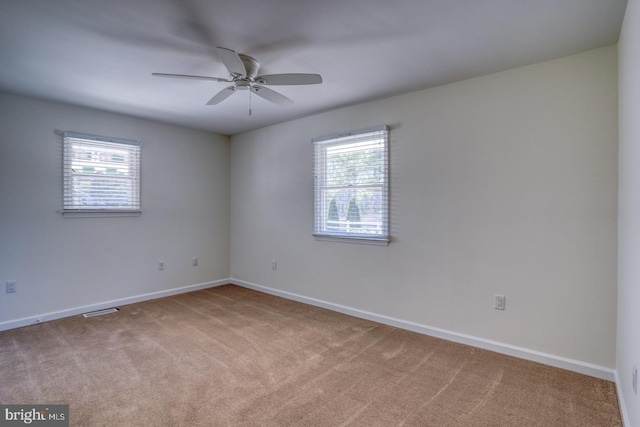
(100, 312)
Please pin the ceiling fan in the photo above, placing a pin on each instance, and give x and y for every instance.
(243, 70)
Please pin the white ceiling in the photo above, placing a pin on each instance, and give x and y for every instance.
(101, 53)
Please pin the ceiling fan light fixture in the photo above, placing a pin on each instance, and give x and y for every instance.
(242, 84)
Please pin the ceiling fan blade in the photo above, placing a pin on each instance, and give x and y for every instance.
(289, 79)
(232, 61)
(222, 95)
(188, 76)
(271, 95)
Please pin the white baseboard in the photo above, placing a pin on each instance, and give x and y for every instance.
(623, 407)
(45, 317)
(511, 350)
(508, 349)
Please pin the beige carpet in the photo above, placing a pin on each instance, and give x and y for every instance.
(229, 356)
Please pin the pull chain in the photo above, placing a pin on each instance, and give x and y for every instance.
(250, 90)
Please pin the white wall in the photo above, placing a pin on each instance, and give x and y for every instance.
(505, 184)
(628, 346)
(500, 184)
(61, 264)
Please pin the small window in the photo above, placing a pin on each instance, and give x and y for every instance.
(351, 186)
(101, 175)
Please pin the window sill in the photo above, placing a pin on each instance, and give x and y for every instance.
(376, 241)
(101, 214)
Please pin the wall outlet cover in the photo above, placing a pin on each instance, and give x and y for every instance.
(11, 286)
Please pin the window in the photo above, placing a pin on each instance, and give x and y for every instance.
(351, 186)
(101, 175)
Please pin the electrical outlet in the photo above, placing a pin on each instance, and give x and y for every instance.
(194, 262)
(274, 264)
(634, 379)
(499, 301)
(11, 286)
(160, 265)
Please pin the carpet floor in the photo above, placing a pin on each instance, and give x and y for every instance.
(230, 356)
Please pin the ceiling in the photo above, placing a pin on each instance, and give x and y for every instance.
(101, 54)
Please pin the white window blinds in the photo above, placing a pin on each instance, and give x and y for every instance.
(101, 175)
(351, 185)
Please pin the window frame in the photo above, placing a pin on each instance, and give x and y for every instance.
(321, 205)
(101, 147)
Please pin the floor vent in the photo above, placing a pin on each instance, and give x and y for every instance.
(100, 312)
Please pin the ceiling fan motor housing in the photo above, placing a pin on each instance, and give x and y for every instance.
(251, 64)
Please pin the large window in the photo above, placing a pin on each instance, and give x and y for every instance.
(351, 186)
(101, 175)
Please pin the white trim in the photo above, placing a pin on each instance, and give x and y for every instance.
(99, 214)
(383, 241)
(578, 366)
(26, 321)
(508, 349)
(623, 407)
(371, 129)
(98, 138)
